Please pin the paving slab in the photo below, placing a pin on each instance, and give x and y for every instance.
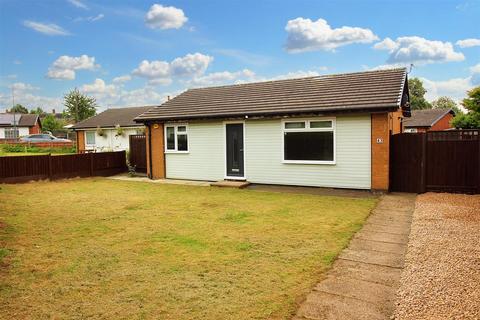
(363, 280)
(230, 184)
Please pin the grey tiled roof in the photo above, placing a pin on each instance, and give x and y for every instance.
(425, 118)
(370, 90)
(111, 117)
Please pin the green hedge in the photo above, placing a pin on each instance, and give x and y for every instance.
(12, 148)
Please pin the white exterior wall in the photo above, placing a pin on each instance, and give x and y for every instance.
(205, 159)
(110, 142)
(353, 156)
(22, 131)
(263, 155)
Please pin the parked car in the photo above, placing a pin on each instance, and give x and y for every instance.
(43, 138)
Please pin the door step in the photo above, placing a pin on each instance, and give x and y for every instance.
(230, 184)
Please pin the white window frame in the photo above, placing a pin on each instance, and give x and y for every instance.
(94, 138)
(308, 129)
(15, 131)
(175, 134)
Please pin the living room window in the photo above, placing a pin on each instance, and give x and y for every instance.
(310, 141)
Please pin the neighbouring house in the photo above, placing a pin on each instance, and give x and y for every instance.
(429, 120)
(323, 131)
(17, 125)
(108, 130)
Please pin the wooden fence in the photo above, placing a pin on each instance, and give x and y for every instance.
(444, 161)
(138, 152)
(26, 168)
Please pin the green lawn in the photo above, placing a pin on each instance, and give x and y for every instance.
(100, 248)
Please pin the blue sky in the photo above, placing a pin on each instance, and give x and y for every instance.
(128, 53)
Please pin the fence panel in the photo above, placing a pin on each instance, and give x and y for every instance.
(26, 168)
(138, 152)
(445, 161)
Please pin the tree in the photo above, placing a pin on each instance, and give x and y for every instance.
(471, 120)
(18, 108)
(38, 111)
(417, 95)
(446, 103)
(50, 123)
(79, 106)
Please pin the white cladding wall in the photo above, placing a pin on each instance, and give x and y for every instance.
(22, 131)
(110, 142)
(263, 159)
(205, 159)
(352, 169)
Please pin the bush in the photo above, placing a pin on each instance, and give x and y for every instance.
(13, 148)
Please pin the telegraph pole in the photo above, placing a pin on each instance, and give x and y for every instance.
(14, 114)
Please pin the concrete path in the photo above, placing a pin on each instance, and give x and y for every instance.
(365, 277)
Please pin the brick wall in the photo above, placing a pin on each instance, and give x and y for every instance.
(157, 150)
(380, 151)
(35, 129)
(443, 123)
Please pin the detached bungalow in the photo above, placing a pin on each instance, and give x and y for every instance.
(108, 130)
(429, 120)
(18, 125)
(324, 131)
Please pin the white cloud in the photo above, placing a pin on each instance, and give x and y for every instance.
(160, 17)
(152, 70)
(22, 87)
(24, 95)
(17, 62)
(162, 72)
(78, 4)
(99, 87)
(190, 65)
(245, 57)
(455, 88)
(65, 66)
(467, 43)
(475, 68)
(221, 78)
(418, 50)
(122, 79)
(90, 18)
(50, 29)
(307, 35)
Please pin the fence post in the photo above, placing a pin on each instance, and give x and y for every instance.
(50, 169)
(91, 164)
(423, 164)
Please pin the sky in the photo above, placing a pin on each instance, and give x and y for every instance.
(132, 53)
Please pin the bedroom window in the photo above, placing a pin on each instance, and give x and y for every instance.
(176, 138)
(90, 137)
(309, 141)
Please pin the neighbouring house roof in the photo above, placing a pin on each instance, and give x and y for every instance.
(370, 90)
(426, 118)
(21, 120)
(112, 117)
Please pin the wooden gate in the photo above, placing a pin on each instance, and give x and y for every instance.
(138, 152)
(445, 161)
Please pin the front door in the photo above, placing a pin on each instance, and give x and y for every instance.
(234, 149)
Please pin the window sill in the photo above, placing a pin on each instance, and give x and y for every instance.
(173, 151)
(308, 162)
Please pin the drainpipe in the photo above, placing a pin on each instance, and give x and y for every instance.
(150, 175)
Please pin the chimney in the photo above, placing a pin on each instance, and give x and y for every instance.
(168, 98)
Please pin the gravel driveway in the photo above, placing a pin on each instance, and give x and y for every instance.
(441, 278)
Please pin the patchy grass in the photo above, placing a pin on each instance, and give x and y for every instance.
(99, 248)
